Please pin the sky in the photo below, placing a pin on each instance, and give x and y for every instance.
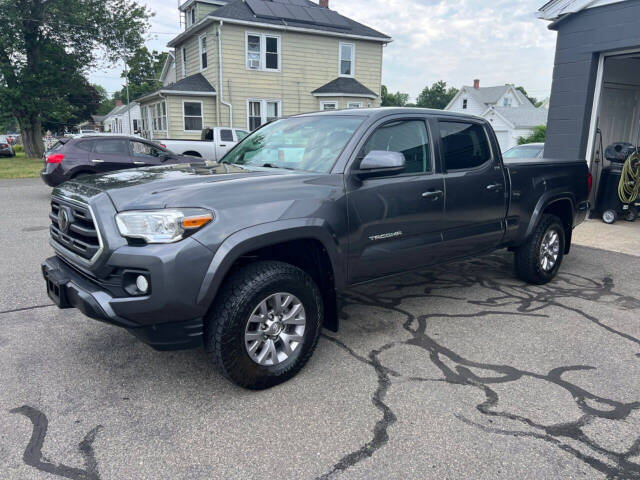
(496, 41)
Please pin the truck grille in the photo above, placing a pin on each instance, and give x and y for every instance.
(72, 228)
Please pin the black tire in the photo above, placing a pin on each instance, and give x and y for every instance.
(226, 323)
(631, 215)
(528, 257)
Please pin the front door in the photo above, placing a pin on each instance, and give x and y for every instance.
(476, 203)
(110, 154)
(395, 219)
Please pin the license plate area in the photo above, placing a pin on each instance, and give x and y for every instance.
(56, 286)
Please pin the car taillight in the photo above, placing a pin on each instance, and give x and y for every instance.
(163, 145)
(590, 182)
(4, 145)
(55, 158)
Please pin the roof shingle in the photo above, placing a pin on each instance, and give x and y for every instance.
(344, 86)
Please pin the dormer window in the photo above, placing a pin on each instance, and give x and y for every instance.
(347, 59)
(506, 102)
(465, 103)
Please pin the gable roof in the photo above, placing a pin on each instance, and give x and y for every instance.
(191, 85)
(239, 12)
(523, 117)
(490, 95)
(344, 86)
(168, 63)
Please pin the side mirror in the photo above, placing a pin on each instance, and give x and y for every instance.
(381, 161)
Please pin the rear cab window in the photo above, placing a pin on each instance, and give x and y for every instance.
(465, 146)
(226, 135)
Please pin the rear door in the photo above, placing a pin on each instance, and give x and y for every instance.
(224, 142)
(476, 202)
(395, 219)
(111, 154)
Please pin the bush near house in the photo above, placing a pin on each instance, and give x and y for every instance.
(538, 136)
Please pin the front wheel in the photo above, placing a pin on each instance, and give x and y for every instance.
(539, 259)
(264, 324)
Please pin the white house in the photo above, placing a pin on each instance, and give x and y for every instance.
(125, 119)
(510, 112)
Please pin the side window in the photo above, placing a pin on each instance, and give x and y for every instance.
(408, 137)
(112, 147)
(465, 145)
(85, 146)
(226, 135)
(144, 150)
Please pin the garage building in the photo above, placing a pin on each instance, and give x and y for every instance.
(595, 96)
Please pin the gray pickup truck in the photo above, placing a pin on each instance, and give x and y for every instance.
(248, 257)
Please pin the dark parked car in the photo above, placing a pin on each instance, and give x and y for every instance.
(529, 150)
(248, 257)
(6, 149)
(94, 154)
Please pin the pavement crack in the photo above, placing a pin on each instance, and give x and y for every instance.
(33, 452)
(24, 309)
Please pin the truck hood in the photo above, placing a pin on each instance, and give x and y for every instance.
(163, 186)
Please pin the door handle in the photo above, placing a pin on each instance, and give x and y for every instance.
(433, 194)
(97, 160)
(139, 163)
(494, 187)
(223, 145)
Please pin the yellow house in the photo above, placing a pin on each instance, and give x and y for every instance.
(242, 63)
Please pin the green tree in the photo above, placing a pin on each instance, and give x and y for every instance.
(106, 103)
(46, 46)
(539, 135)
(437, 96)
(81, 101)
(144, 68)
(397, 99)
(533, 100)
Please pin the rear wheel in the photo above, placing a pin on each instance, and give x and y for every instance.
(264, 325)
(539, 259)
(631, 215)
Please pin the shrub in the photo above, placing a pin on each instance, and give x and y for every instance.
(18, 148)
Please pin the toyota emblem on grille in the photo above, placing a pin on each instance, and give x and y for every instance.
(64, 220)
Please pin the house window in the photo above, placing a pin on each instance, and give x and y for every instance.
(506, 102)
(192, 116)
(347, 56)
(354, 105)
(263, 52)
(328, 105)
(191, 16)
(135, 125)
(203, 52)
(159, 116)
(184, 62)
(260, 112)
(465, 102)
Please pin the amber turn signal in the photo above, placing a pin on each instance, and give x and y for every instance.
(197, 221)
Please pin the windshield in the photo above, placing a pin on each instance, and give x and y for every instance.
(525, 151)
(300, 143)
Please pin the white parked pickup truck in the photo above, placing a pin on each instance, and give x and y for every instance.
(215, 143)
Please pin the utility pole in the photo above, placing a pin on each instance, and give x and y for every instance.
(126, 77)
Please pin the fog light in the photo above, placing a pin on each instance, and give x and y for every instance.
(142, 284)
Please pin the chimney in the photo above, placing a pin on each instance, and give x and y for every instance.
(119, 103)
(324, 3)
(476, 83)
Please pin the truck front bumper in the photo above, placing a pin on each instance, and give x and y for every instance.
(70, 289)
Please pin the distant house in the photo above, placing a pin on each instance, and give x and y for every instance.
(243, 63)
(125, 119)
(96, 124)
(510, 112)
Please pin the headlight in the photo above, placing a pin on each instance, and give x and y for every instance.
(162, 226)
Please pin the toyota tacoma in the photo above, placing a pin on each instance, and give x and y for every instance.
(248, 257)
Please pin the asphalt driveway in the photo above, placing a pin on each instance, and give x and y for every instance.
(457, 372)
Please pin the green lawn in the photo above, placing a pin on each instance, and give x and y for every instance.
(20, 167)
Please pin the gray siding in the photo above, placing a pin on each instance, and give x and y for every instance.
(581, 38)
